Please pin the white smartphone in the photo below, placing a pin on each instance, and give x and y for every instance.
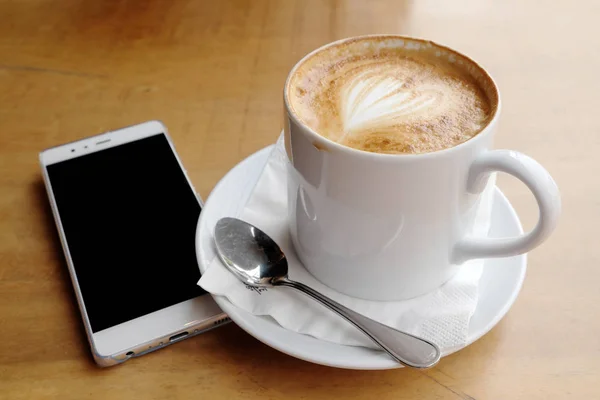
(126, 213)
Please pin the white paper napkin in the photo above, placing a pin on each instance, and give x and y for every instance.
(441, 316)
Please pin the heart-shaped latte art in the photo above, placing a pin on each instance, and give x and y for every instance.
(373, 100)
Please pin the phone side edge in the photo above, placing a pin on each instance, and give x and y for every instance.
(101, 360)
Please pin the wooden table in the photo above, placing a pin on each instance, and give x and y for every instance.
(213, 71)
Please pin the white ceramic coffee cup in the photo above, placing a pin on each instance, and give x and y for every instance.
(390, 227)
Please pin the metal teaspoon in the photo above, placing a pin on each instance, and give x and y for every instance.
(254, 258)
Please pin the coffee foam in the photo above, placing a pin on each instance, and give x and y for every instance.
(392, 95)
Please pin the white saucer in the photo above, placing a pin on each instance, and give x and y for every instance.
(501, 279)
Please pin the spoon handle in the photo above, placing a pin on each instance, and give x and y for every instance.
(405, 348)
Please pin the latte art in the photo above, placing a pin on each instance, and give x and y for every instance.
(389, 99)
(374, 100)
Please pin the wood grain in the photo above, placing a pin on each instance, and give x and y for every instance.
(213, 71)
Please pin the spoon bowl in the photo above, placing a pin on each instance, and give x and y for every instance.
(249, 253)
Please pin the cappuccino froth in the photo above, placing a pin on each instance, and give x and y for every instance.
(378, 97)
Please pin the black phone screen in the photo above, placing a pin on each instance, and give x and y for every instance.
(129, 217)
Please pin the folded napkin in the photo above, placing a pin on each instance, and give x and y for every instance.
(441, 316)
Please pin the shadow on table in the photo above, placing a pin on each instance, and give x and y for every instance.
(270, 371)
(49, 227)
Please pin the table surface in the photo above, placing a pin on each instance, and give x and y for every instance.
(213, 71)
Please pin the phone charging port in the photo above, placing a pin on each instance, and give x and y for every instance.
(178, 336)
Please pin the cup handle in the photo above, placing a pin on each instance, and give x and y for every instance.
(541, 184)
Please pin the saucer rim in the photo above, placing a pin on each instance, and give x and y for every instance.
(238, 315)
